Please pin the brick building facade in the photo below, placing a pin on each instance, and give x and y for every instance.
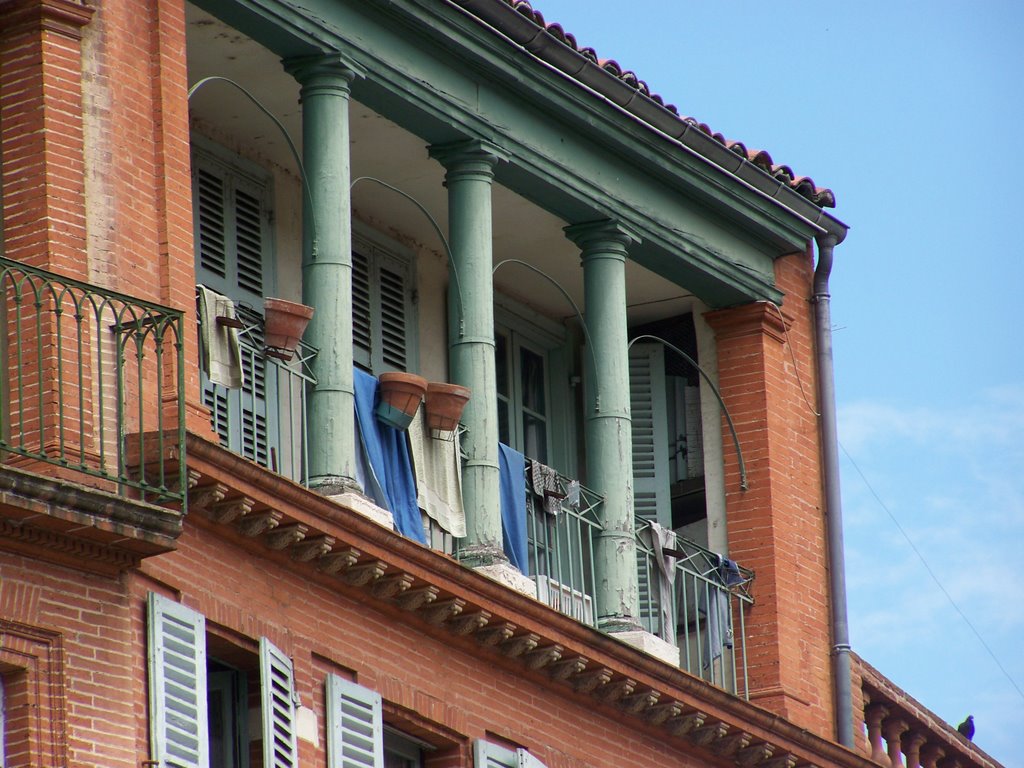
(197, 570)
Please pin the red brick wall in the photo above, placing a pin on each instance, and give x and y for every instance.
(443, 689)
(78, 87)
(776, 527)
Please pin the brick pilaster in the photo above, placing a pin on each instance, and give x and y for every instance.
(776, 526)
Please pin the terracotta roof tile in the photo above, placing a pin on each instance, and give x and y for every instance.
(803, 185)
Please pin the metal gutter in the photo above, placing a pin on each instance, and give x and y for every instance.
(841, 664)
(556, 55)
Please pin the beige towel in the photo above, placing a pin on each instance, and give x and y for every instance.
(438, 468)
(221, 354)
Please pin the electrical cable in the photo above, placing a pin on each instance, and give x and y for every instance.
(931, 573)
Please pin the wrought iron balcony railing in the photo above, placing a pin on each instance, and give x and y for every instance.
(696, 604)
(91, 377)
(560, 539)
(265, 420)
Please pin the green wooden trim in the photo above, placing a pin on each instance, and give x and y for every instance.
(581, 159)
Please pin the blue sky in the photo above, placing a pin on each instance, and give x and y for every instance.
(911, 112)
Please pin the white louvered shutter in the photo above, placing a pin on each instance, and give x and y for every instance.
(177, 685)
(277, 687)
(647, 403)
(355, 729)
(488, 755)
(651, 490)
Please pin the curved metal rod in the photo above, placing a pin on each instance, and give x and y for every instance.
(287, 138)
(583, 324)
(721, 402)
(437, 230)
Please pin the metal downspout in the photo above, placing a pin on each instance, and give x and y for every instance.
(841, 665)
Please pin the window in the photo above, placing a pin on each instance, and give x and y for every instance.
(233, 239)
(185, 730)
(382, 304)
(522, 378)
(532, 365)
(356, 736)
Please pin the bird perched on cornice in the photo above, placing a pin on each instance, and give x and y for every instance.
(966, 728)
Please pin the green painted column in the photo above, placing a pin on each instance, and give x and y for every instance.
(609, 441)
(469, 167)
(327, 267)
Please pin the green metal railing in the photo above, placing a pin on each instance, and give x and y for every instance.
(704, 616)
(560, 539)
(93, 382)
(265, 420)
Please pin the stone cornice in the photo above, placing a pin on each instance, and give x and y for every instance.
(81, 527)
(298, 529)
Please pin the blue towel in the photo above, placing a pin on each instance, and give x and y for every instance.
(512, 471)
(393, 484)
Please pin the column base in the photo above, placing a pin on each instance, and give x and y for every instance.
(357, 502)
(648, 643)
(507, 574)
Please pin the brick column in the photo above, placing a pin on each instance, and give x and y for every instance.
(41, 153)
(776, 526)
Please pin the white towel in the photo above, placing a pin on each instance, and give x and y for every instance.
(221, 354)
(438, 468)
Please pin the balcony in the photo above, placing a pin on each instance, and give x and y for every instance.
(695, 600)
(903, 732)
(560, 533)
(265, 420)
(92, 378)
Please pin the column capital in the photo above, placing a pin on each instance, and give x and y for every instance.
(64, 17)
(604, 238)
(331, 71)
(758, 318)
(468, 156)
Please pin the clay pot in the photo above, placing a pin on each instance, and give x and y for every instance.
(400, 398)
(444, 405)
(284, 322)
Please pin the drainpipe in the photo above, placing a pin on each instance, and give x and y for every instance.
(833, 505)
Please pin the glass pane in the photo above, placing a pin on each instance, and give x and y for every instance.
(535, 438)
(533, 381)
(503, 422)
(501, 363)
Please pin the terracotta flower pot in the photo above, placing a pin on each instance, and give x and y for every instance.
(400, 398)
(284, 322)
(444, 405)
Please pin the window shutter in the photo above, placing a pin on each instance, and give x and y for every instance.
(381, 307)
(177, 685)
(488, 755)
(362, 324)
(355, 731)
(526, 760)
(249, 243)
(232, 256)
(650, 433)
(211, 228)
(392, 318)
(651, 494)
(277, 686)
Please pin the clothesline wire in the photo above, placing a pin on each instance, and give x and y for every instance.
(931, 572)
